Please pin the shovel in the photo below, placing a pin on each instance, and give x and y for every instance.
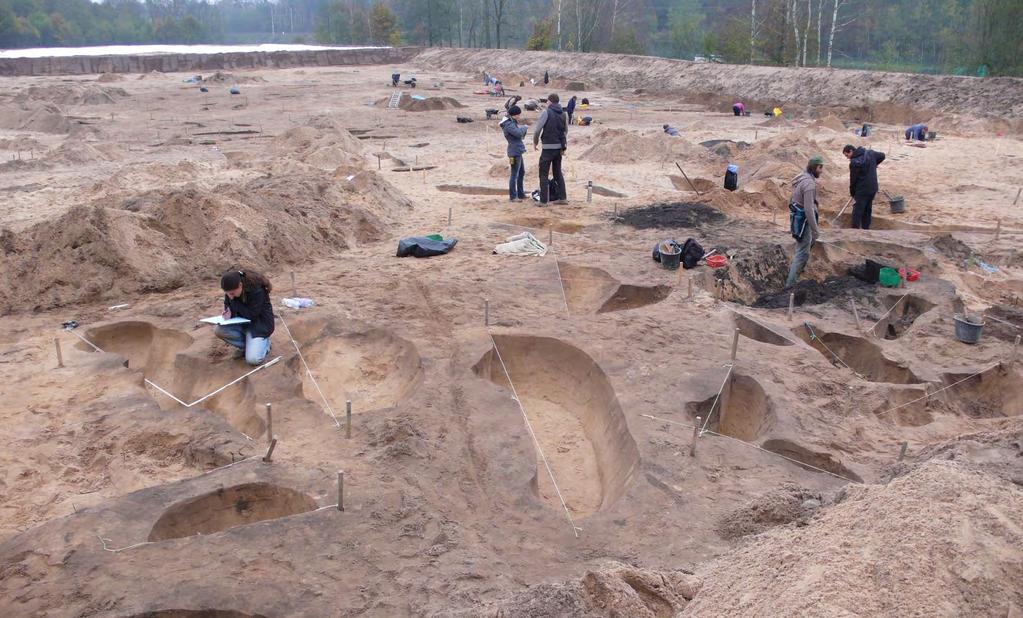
(839, 215)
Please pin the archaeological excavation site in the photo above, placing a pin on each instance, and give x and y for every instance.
(528, 416)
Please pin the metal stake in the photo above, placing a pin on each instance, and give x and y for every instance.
(589, 191)
(792, 304)
(269, 423)
(902, 450)
(696, 436)
(348, 418)
(1015, 351)
(859, 327)
(550, 237)
(341, 490)
(294, 288)
(378, 163)
(449, 216)
(60, 357)
(998, 229)
(735, 345)
(270, 451)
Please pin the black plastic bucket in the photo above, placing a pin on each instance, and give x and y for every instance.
(897, 204)
(671, 256)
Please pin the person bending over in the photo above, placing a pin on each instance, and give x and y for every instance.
(917, 132)
(247, 295)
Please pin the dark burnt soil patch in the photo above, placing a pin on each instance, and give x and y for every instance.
(669, 215)
(952, 248)
(810, 292)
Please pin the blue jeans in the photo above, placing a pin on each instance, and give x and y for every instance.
(801, 257)
(255, 348)
(517, 178)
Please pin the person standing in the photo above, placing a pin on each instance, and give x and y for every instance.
(862, 182)
(546, 78)
(247, 295)
(570, 108)
(513, 133)
(552, 130)
(803, 205)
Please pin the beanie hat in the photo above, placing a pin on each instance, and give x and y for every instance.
(514, 110)
(815, 160)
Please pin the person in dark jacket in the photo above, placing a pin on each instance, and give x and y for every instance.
(917, 132)
(570, 109)
(546, 78)
(552, 130)
(514, 132)
(862, 182)
(247, 295)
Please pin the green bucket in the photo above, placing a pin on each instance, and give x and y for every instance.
(889, 277)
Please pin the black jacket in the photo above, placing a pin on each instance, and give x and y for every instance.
(863, 171)
(253, 304)
(552, 128)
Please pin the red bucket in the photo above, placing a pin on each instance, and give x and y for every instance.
(717, 261)
(909, 274)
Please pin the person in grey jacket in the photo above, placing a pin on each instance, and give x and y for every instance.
(513, 133)
(804, 195)
(552, 130)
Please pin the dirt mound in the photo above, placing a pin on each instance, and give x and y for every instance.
(667, 216)
(623, 146)
(72, 94)
(941, 510)
(830, 122)
(782, 506)
(229, 78)
(110, 77)
(163, 239)
(952, 248)
(611, 591)
(429, 104)
(323, 144)
(41, 118)
(73, 152)
(24, 144)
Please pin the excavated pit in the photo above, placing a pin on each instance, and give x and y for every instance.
(861, 356)
(807, 457)
(756, 331)
(472, 190)
(593, 290)
(229, 507)
(743, 411)
(374, 368)
(542, 223)
(905, 407)
(195, 613)
(996, 393)
(902, 312)
(157, 353)
(147, 348)
(575, 416)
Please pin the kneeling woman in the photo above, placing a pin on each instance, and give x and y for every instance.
(247, 295)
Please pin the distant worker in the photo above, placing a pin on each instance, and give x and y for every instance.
(395, 78)
(546, 78)
(917, 132)
(776, 112)
(584, 104)
(570, 109)
(862, 182)
(803, 216)
(670, 130)
(498, 89)
(531, 104)
(247, 295)
(738, 108)
(552, 130)
(514, 132)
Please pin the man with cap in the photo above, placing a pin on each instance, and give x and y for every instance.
(862, 182)
(804, 199)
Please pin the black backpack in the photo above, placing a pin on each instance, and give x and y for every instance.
(692, 253)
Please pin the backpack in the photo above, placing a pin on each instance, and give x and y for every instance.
(692, 253)
(797, 220)
(732, 178)
(553, 189)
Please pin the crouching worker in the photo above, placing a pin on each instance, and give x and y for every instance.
(803, 216)
(247, 295)
(917, 132)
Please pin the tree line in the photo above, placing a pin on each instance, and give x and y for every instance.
(976, 37)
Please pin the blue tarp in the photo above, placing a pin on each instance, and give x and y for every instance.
(422, 246)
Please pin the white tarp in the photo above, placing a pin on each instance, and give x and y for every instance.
(151, 50)
(521, 244)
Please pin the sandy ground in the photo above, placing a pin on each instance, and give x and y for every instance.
(142, 200)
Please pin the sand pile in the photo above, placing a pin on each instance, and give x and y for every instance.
(323, 144)
(74, 152)
(72, 94)
(621, 146)
(163, 239)
(110, 77)
(41, 118)
(229, 78)
(830, 122)
(781, 157)
(940, 541)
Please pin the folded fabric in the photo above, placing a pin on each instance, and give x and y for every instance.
(521, 244)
